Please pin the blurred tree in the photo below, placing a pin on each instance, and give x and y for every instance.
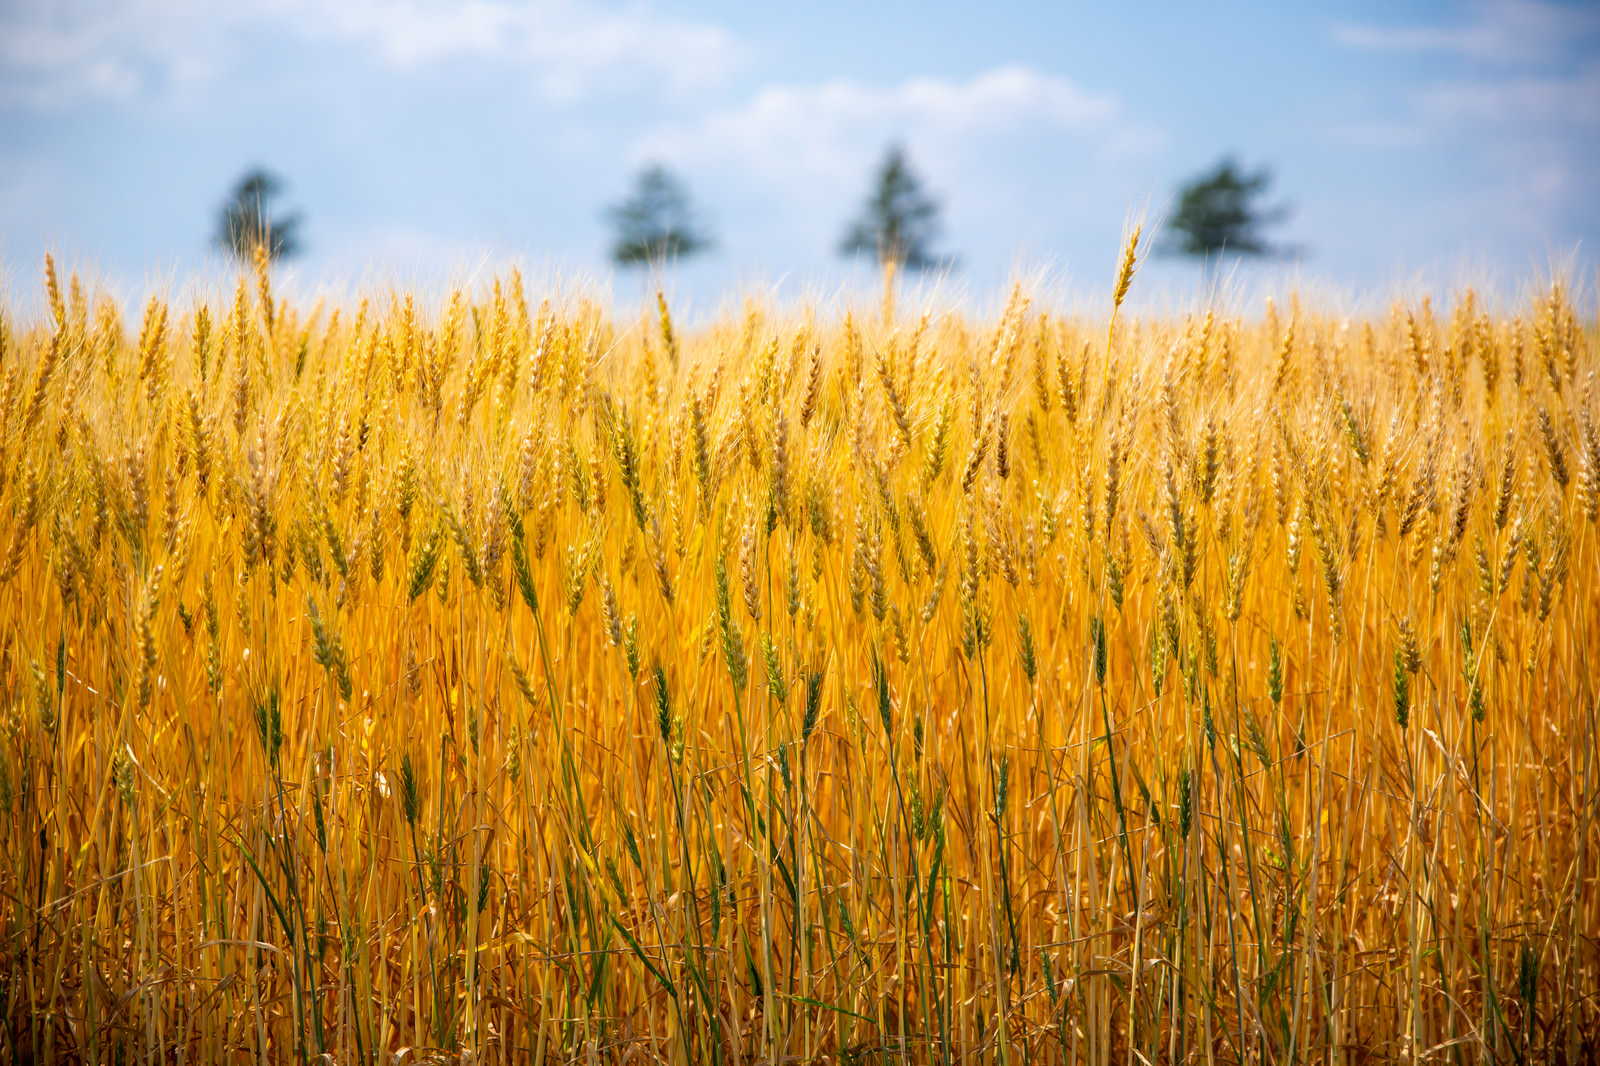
(1219, 212)
(656, 222)
(899, 221)
(246, 219)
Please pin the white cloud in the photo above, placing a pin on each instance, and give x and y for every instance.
(64, 52)
(570, 49)
(1506, 114)
(1533, 101)
(58, 53)
(1525, 98)
(1500, 31)
(1469, 41)
(829, 132)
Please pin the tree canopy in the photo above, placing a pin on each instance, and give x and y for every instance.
(900, 221)
(247, 219)
(1220, 212)
(656, 222)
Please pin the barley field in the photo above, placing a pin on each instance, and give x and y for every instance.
(479, 677)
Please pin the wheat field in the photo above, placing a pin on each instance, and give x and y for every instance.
(478, 677)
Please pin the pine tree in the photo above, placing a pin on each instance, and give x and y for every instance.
(656, 222)
(246, 219)
(900, 221)
(1219, 213)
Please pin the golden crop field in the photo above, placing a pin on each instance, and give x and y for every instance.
(479, 677)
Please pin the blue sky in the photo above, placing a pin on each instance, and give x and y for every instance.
(1421, 146)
